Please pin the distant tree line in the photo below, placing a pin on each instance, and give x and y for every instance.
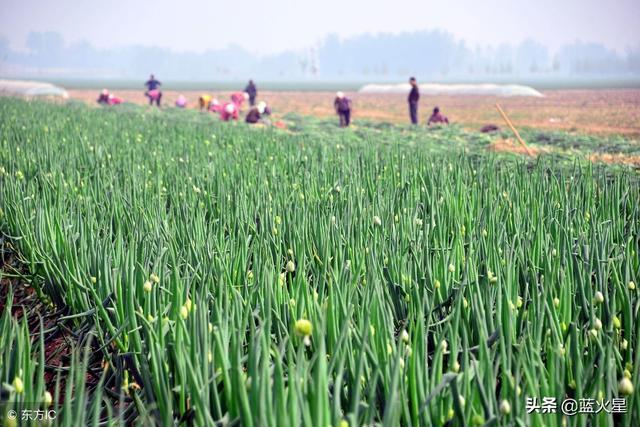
(436, 54)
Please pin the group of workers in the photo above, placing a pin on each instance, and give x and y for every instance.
(342, 105)
(231, 110)
(227, 110)
(259, 113)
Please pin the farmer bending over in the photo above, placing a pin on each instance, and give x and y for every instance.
(437, 117)
(238, 98)
(256, 113)
(104, 97)
(181, 102)
(214, 106)
(107, 98)
(204, 101)
(229, 111)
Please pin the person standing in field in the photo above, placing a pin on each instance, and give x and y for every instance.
(414, 97)
(153, 91)
(342, 104)
(252, 91)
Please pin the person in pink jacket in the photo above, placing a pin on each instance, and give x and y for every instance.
(181, 102)
(215, 106)
(239, 97)
(114, 100)
(229, 111)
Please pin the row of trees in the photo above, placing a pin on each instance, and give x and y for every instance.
(383, 56)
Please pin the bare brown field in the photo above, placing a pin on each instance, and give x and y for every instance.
(596, 111)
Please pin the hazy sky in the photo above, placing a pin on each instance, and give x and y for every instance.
(276, 25)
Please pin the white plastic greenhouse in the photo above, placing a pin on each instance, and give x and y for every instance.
(30, 89)
(455, 89)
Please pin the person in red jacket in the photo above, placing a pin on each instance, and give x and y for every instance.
(437, 117)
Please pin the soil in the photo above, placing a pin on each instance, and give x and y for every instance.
(59, 341)
(61, 337)
(616, 158)
(595, 111)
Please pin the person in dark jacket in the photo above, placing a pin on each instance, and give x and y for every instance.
(252, 91)
(153, 92)
(342, 104)
(104, 97)
(437, 117)
(414, 97)
(257, 114)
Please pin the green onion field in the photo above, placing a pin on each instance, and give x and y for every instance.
(210, 274)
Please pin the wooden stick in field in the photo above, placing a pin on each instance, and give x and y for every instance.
(513, 129)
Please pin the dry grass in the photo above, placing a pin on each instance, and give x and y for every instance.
(616, 158)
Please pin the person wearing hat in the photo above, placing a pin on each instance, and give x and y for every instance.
(342, 105)
(256, 113)
(414, 97)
